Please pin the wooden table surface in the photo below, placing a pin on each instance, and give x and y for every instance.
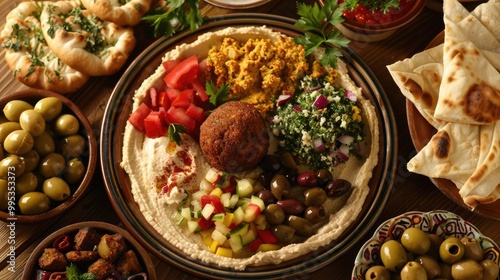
(410, 191)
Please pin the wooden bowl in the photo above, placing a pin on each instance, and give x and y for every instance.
(376, 32)
(102, 228)
(89, 158)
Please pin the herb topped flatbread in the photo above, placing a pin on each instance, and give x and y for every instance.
(29, 56)
(121, 12)
(83, 41)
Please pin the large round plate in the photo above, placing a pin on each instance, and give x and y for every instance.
(118, 184)
(421, 132)
(237, 4)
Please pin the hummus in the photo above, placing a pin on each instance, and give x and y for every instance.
(146, 160)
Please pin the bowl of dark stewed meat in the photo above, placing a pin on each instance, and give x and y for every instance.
(89, 250)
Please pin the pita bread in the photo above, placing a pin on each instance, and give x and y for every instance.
(469, 91)
(83, 41)
(123, 13)
(30, 58)
(419, 79)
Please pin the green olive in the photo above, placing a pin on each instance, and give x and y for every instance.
(14, 108)
(274, 214)
(315, 214)
(75, 170)
(430, 265)
(378, 272)
(393, 255)
(283, 233)
(302, 226)
(4, 194)
(445, 270)
(26, 183)
(451, 250)
(7, 128)
(413, 271)
(66, 125)
(436, 241)
(44, 144)
(18, 142)
(314, 196)
(490, 269)
(12, 165)
(32, 121)
(72, 146)
(415, 241)
(297, 192)
(31, 159)
(280, 186)
(466, 269)
(56, 189)
(34, 203)
(52, 165)
(473, 250)
(49, 107)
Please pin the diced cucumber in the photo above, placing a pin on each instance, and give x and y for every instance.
(218, 217)
(234, 199)
(186, 213)
(248, 237)
(193, 226)
(244, 188)
(242, 229)
(225, 198)
(212, 175)
(222, 228)
(235, 243)
(239, 214)
(196, 214)
(258, 201)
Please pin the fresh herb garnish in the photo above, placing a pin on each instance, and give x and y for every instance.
(317, 23)
(218, 95)
(382, 5)
(72, 273)
(175, 16)
(174, 132)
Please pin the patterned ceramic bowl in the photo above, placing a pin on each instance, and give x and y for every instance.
(440, 222)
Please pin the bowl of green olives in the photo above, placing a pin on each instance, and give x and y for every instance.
(89, 250)
(48, 155)
(428, 245)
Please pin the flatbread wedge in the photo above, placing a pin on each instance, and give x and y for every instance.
(123, 13)
(469, 92)
(29, 56)
(83, 41)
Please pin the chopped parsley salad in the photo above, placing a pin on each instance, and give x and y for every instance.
(319, 124)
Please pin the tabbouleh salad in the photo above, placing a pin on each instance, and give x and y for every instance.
(319, 124)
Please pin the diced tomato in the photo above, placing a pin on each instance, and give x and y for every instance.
(195, 112)
(267, 236)
(254, 245)
(172, 93)
(200, 91)
(178, 116)
(215, 201)
(183, 73)
(163, 100)
(154, 125)
(136, 119)
(170, 64)
(205, 224)
(183, 99)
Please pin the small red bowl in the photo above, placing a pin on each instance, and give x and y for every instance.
(375, 32)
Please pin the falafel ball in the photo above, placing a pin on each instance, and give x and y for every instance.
(234, 137)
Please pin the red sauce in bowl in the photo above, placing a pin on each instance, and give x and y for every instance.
(363, 15)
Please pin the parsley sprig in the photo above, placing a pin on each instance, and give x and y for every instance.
(219, 95)
(382, 5)
(317, 23)
(174, 16)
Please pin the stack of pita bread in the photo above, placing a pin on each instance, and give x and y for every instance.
(456, 87)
